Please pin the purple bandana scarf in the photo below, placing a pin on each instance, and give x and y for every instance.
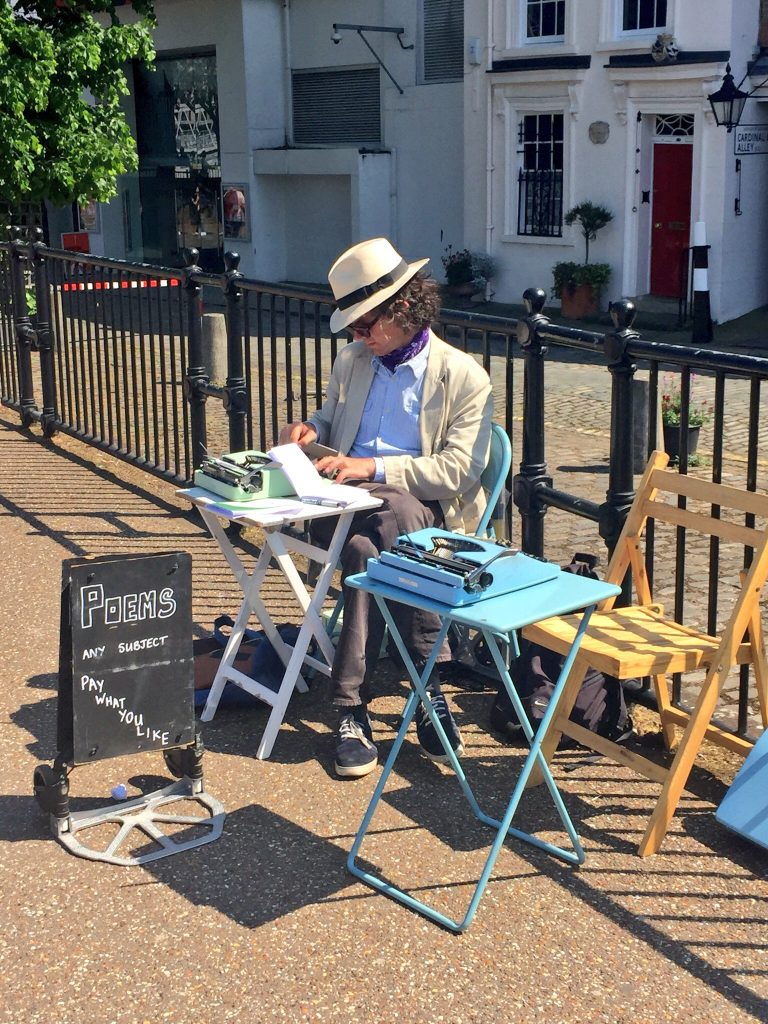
(402, 355)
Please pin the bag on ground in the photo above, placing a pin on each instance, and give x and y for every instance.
(599, 707)
(256, 658)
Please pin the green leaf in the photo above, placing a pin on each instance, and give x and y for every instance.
(58, 144)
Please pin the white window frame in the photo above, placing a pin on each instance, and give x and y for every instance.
(512, 107)
(642, 33)
(527, 40)
(612, 34)
(520, 153)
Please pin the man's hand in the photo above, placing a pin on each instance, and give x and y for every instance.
(298, 433)
(346, 468)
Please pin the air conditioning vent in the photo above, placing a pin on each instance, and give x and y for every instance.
(337, 108)
(443, 40)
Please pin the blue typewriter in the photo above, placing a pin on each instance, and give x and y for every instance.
(455, 569)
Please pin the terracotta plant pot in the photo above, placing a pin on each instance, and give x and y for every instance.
(463, 288)
(672, 440)
(579, 302)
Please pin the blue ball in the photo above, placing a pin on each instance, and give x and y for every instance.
(119, 792)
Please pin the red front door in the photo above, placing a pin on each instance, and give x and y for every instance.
(671, 217)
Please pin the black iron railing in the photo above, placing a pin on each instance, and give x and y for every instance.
(115, 354)
(540, 202)
(687, 576)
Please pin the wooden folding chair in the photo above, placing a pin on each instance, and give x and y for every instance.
(639, 641)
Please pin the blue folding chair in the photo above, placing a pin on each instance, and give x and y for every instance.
(467, 644)
(493, 480)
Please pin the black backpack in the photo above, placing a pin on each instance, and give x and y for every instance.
(599, 706)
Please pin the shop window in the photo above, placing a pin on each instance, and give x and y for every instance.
(443, 40)
(337, 108)
(540, 176)
(174, 204)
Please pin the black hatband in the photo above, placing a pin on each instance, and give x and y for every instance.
(370, 289)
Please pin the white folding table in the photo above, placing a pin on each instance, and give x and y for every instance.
(280, 546)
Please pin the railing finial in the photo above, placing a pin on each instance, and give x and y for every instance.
(231, 261)
(534, 299)
(623, 314)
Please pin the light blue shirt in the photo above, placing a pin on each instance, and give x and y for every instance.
(390, 421)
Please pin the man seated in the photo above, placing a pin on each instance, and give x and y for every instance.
(411, 416)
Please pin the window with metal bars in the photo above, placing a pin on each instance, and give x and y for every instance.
(644, 14)
(443, 40)
(540, 177)
(545, 19)
(337, 107)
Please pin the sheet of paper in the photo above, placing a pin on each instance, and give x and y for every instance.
(243, 509)
(308, 483)
(303, 476)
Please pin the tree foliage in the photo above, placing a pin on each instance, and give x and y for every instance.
(62, 76)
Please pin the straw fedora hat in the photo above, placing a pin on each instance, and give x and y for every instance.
(365, 276)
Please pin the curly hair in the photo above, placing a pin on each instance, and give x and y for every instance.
(416, 305)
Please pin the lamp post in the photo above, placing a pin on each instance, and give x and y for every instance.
(728, 102)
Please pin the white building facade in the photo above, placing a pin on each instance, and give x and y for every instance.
(571, 105)
(287, 129)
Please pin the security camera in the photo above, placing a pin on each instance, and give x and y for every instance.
(336, 37)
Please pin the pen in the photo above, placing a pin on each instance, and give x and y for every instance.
(325, 502)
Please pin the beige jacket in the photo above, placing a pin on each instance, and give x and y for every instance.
(454, 422)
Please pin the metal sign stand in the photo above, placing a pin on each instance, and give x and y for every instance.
(126, 676)
(144, 813)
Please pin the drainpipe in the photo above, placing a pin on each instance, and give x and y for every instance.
(393, 183)
(489, 226)
(287, 73)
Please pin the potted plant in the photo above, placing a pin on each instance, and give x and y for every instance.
(467, 272)
(579, 285)
(699, 414)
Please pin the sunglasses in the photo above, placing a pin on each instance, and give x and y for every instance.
(363, 328)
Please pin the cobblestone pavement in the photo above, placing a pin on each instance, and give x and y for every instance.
(266, 923)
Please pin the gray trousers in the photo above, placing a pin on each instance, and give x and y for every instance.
(362, 630)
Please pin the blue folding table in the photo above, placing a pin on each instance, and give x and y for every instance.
(498, 619)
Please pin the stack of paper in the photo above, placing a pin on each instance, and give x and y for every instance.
(258, 507)
(307, 482)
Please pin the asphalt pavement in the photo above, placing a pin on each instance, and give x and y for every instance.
(266, 923)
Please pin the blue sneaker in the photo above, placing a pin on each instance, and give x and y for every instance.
(427, 734)
(356, 753)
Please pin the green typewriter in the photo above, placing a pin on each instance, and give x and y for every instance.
(243, 476)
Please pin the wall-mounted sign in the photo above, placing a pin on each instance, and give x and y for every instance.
(599, 132)
(75, 241)
(235, 201)
(749, 139)
(90, 217)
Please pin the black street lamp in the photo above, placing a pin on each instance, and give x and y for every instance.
(728, 102)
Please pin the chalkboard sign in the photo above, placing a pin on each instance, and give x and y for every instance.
(125, 662)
